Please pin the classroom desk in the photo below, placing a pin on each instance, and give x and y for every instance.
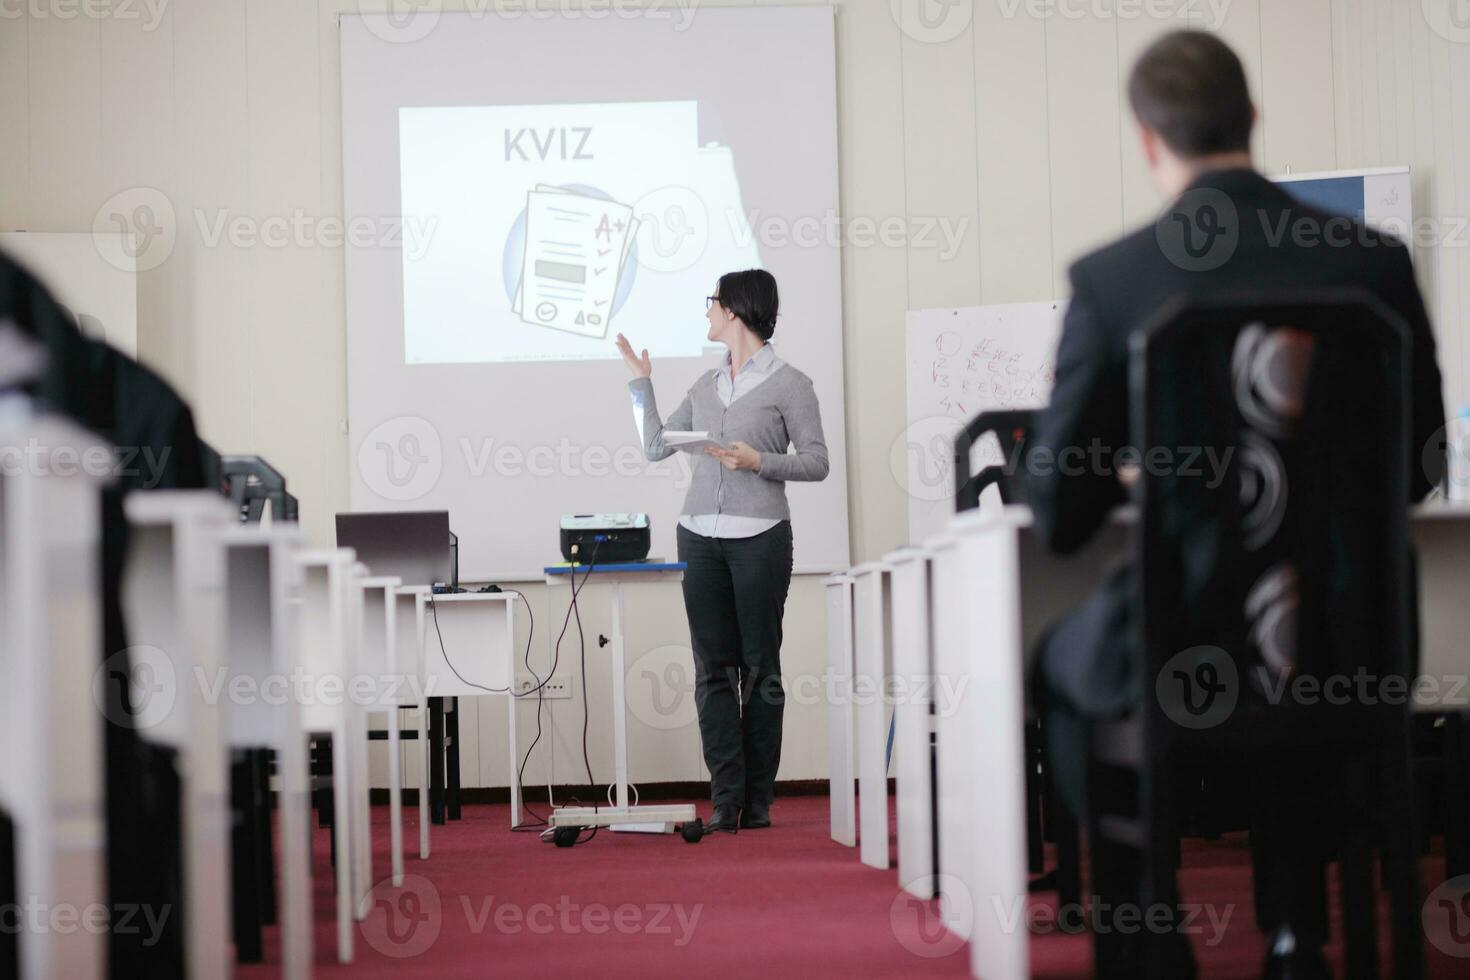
(327, 654)
(173, 595)
(261, 644)
(470, 651)
(992, 601)
(51, 785)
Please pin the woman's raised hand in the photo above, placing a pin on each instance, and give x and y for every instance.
(641, 367)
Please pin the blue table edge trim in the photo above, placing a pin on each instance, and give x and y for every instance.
(631, 566)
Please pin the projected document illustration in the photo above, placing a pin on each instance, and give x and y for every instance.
(552, 221)
(574, 252)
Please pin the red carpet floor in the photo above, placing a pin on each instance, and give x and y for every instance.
(782, 902)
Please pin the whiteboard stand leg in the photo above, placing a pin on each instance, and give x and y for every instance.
(620, 698)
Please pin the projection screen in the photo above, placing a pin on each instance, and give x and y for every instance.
(551, 179)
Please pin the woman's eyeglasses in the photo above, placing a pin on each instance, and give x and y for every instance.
(709, 302)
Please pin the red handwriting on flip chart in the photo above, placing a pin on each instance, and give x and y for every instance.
(987, 373)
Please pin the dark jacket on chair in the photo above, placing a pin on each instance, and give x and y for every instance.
(1264, 240)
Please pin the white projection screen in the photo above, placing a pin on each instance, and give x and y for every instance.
(520, 187)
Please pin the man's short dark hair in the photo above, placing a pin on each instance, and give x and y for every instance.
(751, 295)
(1190, 88)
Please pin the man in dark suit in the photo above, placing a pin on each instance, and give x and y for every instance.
(1227, 228)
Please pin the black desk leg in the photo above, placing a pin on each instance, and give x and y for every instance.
(265, 850)
(1457, 795)
(436, 760)
(451, 757)
(245, 838)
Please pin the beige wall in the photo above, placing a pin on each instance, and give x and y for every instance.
(1000, 117)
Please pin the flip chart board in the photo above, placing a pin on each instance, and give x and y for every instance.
(962, 362)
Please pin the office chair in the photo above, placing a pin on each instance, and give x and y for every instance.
(1294, 566)
(1009, 428)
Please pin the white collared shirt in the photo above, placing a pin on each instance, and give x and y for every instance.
(762, 364)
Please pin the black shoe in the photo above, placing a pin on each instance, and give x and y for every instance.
(726, 817)
(1287, 960)
(755, 816)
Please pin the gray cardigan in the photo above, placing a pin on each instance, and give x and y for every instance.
(778, 413)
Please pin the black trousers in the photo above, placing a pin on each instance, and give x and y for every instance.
(735, 595)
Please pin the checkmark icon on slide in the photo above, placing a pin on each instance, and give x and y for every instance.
(600, 302)
(598, 272)
(603, 251)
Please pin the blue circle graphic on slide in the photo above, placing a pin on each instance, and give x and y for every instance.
(514, 255)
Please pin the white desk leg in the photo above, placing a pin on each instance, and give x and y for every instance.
(395, 796)
(296, 915)
(362, 818)
(841, 748)
(423, 745)
(620, 698)
(342, 832)
(510, 712)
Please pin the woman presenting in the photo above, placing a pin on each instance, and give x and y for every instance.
(735, 534)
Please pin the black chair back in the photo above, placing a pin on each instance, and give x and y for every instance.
(1010, 428)
(1273, 496)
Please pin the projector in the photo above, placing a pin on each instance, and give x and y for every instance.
(613, 537)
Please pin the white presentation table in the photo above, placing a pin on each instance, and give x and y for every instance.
(660, 817)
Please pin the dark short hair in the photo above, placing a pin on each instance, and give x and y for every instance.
(1190, 88)
(751, 295)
